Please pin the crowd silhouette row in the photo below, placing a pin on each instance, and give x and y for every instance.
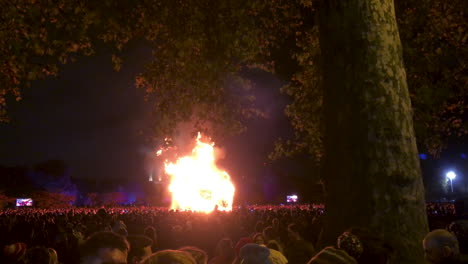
(265, 234)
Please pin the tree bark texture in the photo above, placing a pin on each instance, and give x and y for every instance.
(371, 170)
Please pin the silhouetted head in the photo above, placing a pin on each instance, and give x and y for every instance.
(440, 246)
(105, 247)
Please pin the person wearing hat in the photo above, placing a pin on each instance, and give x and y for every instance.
(277, 257)
(242, 242)
(364, 245)
(253, 253)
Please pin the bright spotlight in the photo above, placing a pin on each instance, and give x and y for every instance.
(451, 175)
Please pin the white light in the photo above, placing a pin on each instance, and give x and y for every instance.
(451, 175)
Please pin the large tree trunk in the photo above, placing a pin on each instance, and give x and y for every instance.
(372, 174)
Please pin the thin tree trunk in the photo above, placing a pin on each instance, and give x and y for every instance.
(372, 174)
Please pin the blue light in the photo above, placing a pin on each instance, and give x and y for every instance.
(422, 156)
(463, 156)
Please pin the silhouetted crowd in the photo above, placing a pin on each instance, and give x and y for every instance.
(265, 234)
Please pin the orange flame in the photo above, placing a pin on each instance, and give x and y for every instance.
(197, 184)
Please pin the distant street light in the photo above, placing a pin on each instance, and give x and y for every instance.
(451, 175)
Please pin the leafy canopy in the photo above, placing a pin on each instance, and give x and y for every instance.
(200, 48)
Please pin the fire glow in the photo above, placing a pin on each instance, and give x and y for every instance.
(197, 184)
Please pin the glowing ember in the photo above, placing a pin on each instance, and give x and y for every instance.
(196, 182)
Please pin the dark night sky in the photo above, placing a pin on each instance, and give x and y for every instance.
(90, 116)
